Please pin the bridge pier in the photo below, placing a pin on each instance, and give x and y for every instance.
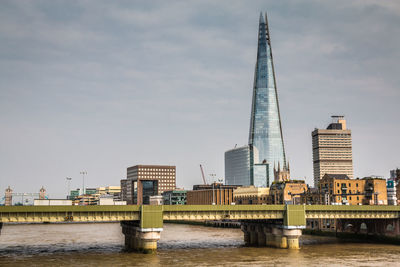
(140, 239)
(259, 234)
(1, 226)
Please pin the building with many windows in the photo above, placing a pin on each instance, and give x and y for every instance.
(266, 147)
(213, 194)
(332, 150)
(250, 195)
(174, 197)
(339, 189)
(237, 166)
(144, 181)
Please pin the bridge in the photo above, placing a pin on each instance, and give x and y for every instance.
(263, 225)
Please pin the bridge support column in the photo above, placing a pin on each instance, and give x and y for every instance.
(246, 233)
(396, 225)
(253, 235)
(140, 239)
(269, 237)
(250, 232)
(292, 236)
(258, 234)
(261, 239)
(1, 226)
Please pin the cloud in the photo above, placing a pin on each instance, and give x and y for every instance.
(103, 85)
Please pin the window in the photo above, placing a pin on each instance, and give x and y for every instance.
(358, 198)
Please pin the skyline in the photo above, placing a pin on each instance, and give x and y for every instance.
(168, 102)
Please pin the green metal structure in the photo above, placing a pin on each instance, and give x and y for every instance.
(153, 216)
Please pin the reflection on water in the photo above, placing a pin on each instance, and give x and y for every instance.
(102, 245)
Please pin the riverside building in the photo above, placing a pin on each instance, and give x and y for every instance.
(144, 181)
(237, 166)
(332, 150)
(266, 147)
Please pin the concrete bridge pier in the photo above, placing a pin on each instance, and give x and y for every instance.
(140, 239)
(250, 234)
(258, 234)
(246, 234)
(292, 238)
(285, 238)
(261, 237)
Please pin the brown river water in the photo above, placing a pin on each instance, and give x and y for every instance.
(180, 245)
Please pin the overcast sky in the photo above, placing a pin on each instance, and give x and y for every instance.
(103, 85)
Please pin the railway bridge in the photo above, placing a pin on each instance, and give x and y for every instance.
(263, 225)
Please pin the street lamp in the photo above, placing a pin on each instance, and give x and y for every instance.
(83, 181)
(68, 185)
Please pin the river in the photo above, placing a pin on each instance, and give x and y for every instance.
(101, 244)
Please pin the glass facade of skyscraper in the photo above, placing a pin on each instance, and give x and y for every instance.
(237, 166)
(265, 125)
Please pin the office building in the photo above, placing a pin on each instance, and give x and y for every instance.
(391, 192)
(266, 146)
(237, 166)
(395, 174)
(144, 181)
(265, 122)
(174, 197)
(332, 150)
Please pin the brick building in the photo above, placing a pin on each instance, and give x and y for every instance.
(287, 192)
(216, 193)
(340, 189)
(144, 181)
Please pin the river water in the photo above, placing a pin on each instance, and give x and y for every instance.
(101, 244)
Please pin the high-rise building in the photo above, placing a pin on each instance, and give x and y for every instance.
(395, 174)
(332, 150)
(265, 135)
(237, 166)
(144, 181)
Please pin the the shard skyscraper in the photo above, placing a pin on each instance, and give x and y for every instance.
(265, 135)
(254, 163)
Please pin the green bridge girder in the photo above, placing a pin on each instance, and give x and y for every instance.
(154, 216)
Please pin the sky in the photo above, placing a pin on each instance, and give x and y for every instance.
(99, 86)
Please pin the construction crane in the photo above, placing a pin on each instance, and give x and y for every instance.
(202, 174)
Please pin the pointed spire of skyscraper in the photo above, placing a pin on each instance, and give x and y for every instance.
(261, 18)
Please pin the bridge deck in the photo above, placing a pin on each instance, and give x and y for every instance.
(29, 214)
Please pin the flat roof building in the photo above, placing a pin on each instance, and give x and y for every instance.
(144, 181)
(332, 150)
(237, 166)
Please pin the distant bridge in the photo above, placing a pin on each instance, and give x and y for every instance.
(272, 225)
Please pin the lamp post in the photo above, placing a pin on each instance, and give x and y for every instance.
(83, 181)
(68, 185)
